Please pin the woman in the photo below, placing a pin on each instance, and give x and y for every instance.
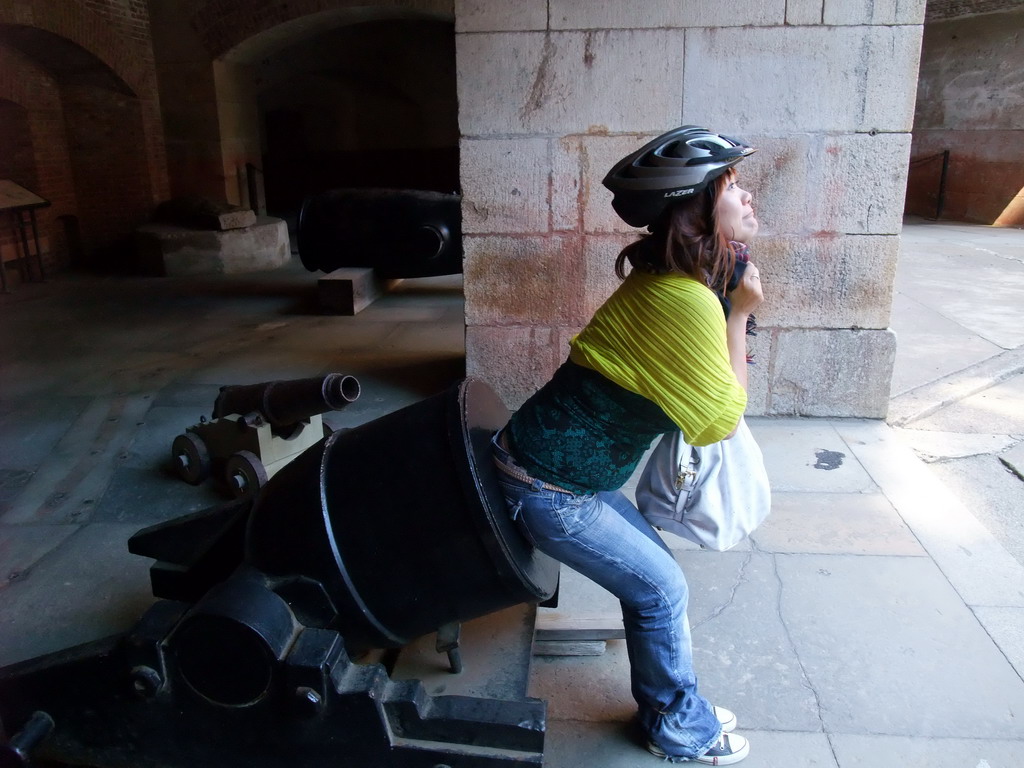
(658, 356)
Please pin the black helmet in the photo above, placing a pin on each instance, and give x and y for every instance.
(676, 165)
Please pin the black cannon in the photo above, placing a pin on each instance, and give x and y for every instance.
(258, 428)
(399, 233)
(373, 537)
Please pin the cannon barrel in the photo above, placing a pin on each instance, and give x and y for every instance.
(285, 403)
(396, 232)
(402, 521)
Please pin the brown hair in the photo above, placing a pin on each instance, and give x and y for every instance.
(686, 238)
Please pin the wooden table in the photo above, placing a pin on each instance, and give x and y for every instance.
(22, 203)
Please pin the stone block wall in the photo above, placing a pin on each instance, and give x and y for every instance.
(970, 102)
(550, 96)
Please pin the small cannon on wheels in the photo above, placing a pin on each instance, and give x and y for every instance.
(258, 428)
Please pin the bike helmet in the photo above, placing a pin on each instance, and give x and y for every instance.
(672, 167)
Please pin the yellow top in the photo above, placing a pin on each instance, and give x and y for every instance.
(663, 337)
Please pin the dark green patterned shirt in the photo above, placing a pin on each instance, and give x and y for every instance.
(583, 432)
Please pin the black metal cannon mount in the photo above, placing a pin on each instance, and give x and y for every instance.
(255, 653)
(398, 232)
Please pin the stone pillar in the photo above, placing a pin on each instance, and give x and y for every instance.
(188, 102)
(551, 95)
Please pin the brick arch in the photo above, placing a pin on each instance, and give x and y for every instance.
(24, 83)
(120, 171)
(222, 33)
(131, 62)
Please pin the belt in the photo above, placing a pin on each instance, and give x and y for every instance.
(517, 474)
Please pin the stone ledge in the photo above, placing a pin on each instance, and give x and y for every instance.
(172, 251)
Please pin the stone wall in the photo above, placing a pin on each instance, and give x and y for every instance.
(971, 103)
(553, 92)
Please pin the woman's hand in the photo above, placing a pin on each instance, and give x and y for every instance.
(745, 298)
(748, 295)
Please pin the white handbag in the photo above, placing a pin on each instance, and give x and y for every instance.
(714, 495)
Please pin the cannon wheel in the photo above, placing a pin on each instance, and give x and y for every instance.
(244, 474)
(191, 458)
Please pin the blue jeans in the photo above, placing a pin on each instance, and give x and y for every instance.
(605, 538)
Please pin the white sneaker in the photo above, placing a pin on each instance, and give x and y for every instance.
(726, 718)
(728, 750)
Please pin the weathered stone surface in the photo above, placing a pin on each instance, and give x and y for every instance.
(1013, 460)
(801, 12)
(500, 15)
(832, 373)
(778, 176)
(96, 597)
(936, 446)
(1006, 626)
(893, 58)
(863, 179)
(895, 614)
(809, 456)
(612, 14)
(835, 524)
(523, 280)
(598, 156)
(861, 751)
(796, 79)
(569, 180)
(200, 213)
(504, 185)
(574, 742)
(974, 561)
(970, 82)
(828, 281)
(599, 254)
(567, 82)
(873, 12)
(730, 593)
(760, 348)
(516, 361)
(174, 251)
(580, 162)
(977, 282)
(848, 183)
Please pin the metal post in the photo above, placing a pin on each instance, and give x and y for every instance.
(942, 185)
(23, 263)
(3, 274)
(39, 250)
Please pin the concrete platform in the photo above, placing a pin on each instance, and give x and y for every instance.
(875, 620)
(167, 249)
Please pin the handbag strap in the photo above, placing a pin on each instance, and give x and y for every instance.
(686, 470)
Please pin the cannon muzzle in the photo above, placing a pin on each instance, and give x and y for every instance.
(284, 404)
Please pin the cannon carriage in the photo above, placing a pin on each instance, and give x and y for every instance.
(260, 649)
(256, 429)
